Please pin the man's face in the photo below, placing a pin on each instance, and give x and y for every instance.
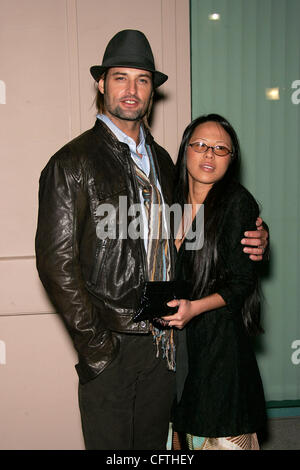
(127, 93)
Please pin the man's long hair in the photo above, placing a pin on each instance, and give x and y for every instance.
(206, 264)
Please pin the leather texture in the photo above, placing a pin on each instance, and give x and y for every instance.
(94, 284)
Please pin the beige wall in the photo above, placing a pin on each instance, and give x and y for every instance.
(46, 98)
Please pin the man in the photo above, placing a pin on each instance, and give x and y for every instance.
(93, 277)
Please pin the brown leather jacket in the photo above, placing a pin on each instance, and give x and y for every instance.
(93, 283)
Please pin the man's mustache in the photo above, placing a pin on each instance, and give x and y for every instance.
(130, 97)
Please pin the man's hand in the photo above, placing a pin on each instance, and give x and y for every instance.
(256, 241)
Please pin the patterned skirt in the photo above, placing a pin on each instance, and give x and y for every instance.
(242, 442)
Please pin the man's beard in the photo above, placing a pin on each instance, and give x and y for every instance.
(126, 115)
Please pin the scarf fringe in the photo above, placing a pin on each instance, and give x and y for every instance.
(164, 340)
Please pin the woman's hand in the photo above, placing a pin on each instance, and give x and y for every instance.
(183, 315)
(188, 309)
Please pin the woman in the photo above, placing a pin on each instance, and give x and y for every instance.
(222, 405)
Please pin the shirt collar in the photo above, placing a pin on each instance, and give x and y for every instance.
(122, 137)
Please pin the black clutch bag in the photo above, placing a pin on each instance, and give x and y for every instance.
(157, 294)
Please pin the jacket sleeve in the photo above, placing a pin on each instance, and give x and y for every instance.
(62, 207)
(240, 279)
(266, 255)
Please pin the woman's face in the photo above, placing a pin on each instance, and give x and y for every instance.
(207, 168)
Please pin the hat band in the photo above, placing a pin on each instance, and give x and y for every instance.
(133, 61)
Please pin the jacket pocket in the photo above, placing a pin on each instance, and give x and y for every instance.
(100, 256)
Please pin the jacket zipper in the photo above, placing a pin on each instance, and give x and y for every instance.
(99, 261)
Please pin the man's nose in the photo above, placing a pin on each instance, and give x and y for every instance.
(132, 87)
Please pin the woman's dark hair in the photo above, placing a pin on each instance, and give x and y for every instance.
(207, 267)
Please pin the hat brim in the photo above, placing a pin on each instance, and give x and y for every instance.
(158, 77)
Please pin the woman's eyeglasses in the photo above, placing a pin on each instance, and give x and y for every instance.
(219, 150)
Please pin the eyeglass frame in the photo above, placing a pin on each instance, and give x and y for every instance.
(230, 152)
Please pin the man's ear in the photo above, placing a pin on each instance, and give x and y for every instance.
(101, 86)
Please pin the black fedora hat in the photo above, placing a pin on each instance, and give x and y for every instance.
(129, 48)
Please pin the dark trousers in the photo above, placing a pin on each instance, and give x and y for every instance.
(127, 406)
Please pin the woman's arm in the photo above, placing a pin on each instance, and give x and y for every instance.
(188, 309)
(240, 270)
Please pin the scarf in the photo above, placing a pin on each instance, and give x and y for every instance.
(158, 253)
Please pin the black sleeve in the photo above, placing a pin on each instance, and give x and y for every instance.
(240, 278)
(62, 208)
(266, 255)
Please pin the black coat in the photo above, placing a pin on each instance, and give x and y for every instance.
(223, 393)
(94, 283)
